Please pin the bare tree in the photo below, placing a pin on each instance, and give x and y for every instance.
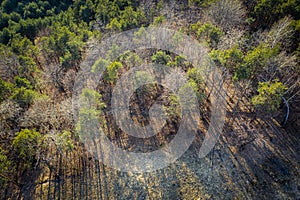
(52, 80)
(231, 39)
(68, 81)
(8, 64)
(280, 33)
(39, 115)
(227, 14)
(46, 115)
(64, 114)
(9, 114)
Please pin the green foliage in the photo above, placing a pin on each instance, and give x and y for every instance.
(9, 5)
(128, 18)
(22, 45)
(233, 60)
(266, 12)
(22, 92)
(179, 61)
(173, 107)
(6, 90)
(269, 96)
(5, 163)
(208, 32)
(6, 166)
(64, 141)
(258, 58)
(30, 27)
(5, 36)
(194, 75)
(131, 18)
(112, 72)
(202, 3)
(99, 65)
(66, 45)
(22, 82)
(34, 9)
(197, 83)
(114, 25)
(91, 107)
(161, 57)
(130, 59)
(24, 97)
(25, 144)
(245, 66)
(158, 20)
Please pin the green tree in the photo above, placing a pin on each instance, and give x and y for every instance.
(232, 59)
(114, 25)
(161, 57)
(130, 59)
(6, 167)
(269, 96)
(90, 109)
(25, 144)
(266, 12)
(23, 92)
(197, 83)
(256, 60)
(5, 90)
(173, 107)
(207, 32)
(112, 72)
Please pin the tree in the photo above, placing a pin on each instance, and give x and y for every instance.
(280, 33)
(9, 64)
(266, 12)
(232, 59)
(131, 18)
(6, 90)
(161, 57)
(88, 114)
(173, 107)
(257, 60)
(269, 96)
(112, 72)
(207, 32)
(130, 59)
(6, 167)
(197, 83)
(40, 115)
(9, 5)
(25, 145)
(227, 14)
(114, 25)
(23, 93)
(9, 113)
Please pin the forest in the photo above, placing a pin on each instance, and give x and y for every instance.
(44, 45)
